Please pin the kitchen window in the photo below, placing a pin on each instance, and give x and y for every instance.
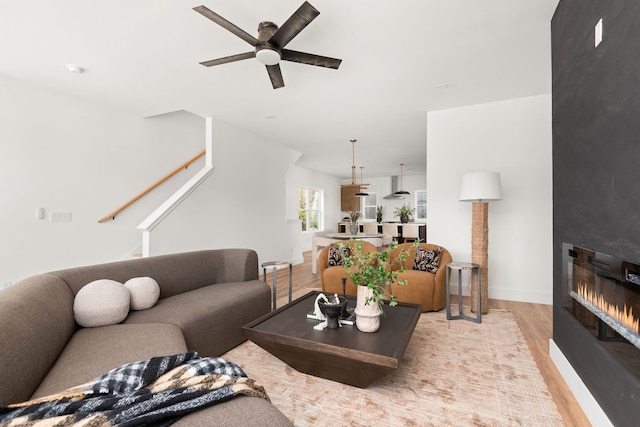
(369, 206)
(421, 204)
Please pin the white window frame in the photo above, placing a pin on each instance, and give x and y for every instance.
(418, 204)
(319, 210)
(364, 207)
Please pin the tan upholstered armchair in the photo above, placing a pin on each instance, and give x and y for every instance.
(331, 276)
(422, 287)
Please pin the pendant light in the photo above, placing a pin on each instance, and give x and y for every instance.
(353, 162)
(361, 193)
(401, 192)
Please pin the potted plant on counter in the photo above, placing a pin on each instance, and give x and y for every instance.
(379, 214)
(354, 216)
(372, 274)
(404, 212)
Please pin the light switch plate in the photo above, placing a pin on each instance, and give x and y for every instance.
(60, 217)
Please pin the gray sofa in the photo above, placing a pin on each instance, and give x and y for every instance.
(205, 299)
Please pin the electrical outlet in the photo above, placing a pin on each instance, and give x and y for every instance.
(5, 285)
(60, 217)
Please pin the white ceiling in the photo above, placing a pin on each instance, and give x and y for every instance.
(400, 59)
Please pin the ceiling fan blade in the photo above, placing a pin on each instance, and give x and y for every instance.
(310, 59)
(208, 13)
(228, 59)
(275, 75)
(296, 23)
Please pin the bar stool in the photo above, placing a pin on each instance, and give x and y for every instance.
(391, 230)
(385, 243)
(370, 227)
(275, 266)
(410, 232)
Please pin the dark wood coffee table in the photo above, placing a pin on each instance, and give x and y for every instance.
(345, 355)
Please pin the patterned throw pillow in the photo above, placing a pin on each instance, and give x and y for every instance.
(427, 260)
(337, 254)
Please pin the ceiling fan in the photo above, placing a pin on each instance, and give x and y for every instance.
(270, 43)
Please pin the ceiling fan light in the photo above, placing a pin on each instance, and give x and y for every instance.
(268, 56)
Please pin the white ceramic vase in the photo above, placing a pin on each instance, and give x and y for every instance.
(367, 315)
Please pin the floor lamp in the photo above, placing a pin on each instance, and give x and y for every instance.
(480, 188)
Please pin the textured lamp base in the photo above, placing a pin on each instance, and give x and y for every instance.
(480, 254)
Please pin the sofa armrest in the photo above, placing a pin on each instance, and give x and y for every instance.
(441, 276)
(37, 321)
(239, 265)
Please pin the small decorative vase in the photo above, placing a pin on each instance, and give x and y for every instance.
(354, 228)
(404, 219)
(379, 219)
(333, 311)
(367, 315)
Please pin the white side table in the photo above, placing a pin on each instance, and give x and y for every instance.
(459, 267)
(275, 266)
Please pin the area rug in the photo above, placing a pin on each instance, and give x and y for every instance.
(453, 373)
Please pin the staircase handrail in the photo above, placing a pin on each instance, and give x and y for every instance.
(112, 215)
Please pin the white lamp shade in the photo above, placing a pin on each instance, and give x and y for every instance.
(480, 186)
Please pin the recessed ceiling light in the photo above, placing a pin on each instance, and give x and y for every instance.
(271, 116)
(75, 69)
(443, 86)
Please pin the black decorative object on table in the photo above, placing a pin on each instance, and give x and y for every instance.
(333, 309)
(347, 313)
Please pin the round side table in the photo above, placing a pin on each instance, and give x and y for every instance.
(460, 267)
(275, 266)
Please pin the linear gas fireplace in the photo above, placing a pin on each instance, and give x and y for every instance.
(603, 293)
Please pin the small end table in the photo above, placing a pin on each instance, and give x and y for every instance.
(459, 267)
(275, 266)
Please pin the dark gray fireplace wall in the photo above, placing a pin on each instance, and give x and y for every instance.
(596, 171)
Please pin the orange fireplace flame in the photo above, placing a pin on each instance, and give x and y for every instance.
(624, 317)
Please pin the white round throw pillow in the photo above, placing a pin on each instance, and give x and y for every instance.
(100, 303)
(144, 292)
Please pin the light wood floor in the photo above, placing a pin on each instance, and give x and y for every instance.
(535, 321)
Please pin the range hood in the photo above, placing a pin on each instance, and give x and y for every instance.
(394, 189)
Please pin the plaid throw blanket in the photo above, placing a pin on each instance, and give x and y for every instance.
(154, 392)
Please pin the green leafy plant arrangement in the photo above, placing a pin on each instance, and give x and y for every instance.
(354, 216)
(404, 210)
(373, 271)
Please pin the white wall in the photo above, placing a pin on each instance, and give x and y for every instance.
(65, 154)
(302, 177)
(242, 204)
(514, 138)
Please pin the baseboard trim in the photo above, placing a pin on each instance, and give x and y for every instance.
(589, 405)
(524, 296)
(296, 261)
